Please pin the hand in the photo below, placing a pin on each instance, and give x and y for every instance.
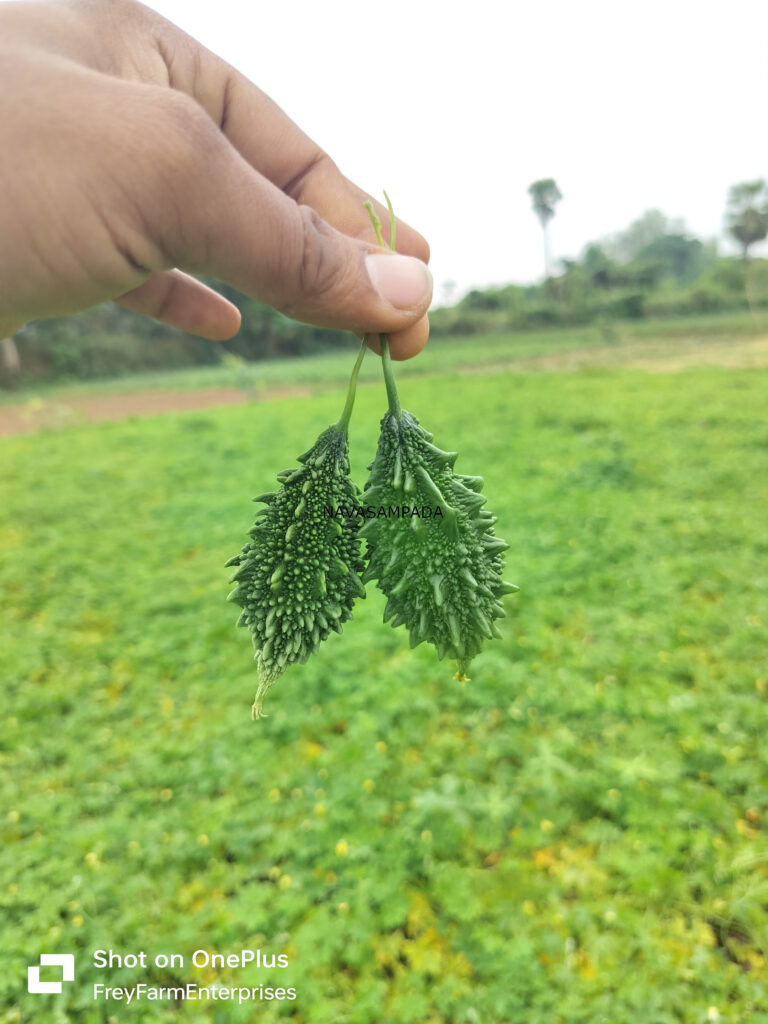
(128, 150)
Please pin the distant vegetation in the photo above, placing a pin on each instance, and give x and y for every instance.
(673, 276)
(652, 269)
(108, 341)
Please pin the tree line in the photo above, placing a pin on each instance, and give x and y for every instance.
(653, 268)
(746, 217)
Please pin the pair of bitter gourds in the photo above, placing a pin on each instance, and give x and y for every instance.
(304, 566)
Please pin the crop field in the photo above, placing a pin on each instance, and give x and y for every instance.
(578, 835)
(735, 339)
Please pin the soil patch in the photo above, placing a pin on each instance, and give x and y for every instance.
(49, 414)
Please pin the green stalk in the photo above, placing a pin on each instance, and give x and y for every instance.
(386, 362)
(375, 221)
(391, 222)
(352, 389)
(389, 378)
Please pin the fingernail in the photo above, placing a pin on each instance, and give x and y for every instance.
(403, 281)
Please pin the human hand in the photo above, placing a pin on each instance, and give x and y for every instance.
(128, 150)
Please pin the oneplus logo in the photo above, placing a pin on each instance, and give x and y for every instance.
(66, 961)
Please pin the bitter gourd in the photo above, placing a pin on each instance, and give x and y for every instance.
(299, 574)
(429, 543)
(431, 547)
(441, 567)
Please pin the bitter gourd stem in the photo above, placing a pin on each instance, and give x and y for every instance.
(392, 225)
(352, 389)
(374, 220)
(386, 362)
(389, 379)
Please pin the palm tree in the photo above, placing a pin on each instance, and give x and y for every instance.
(544, 195)
(747, 214)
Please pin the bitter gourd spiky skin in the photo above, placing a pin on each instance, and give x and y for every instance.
(299, 574)
(441, 573)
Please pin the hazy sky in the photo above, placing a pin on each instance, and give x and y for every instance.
(455, 108)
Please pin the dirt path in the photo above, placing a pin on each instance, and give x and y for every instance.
(655, 355)
(46, 414)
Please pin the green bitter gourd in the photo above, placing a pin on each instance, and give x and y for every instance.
(299, 574)
(442, 572)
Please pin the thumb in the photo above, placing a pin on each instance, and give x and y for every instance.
(332, 280)
(217, 215)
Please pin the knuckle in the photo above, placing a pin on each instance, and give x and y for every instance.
(167, 129)
(179, 154)
(183, 123)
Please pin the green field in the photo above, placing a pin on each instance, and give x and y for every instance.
(612, 345)
(576, 835)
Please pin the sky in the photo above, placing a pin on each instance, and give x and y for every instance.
(455, 108)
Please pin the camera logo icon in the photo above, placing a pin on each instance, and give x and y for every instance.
(66, 961)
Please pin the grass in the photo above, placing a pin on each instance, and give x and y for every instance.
(615, 345)
(576, 835)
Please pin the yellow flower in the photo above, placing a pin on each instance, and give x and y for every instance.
(743, 828)
(342, 848)
(544, 858)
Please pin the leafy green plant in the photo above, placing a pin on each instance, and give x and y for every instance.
(441, 569)
(299, 574)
